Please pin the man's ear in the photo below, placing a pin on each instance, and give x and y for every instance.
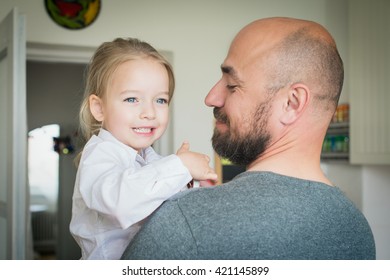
(295, 103)
(96, 107)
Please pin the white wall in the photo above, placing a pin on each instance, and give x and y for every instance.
(376, 206)
(198, 34)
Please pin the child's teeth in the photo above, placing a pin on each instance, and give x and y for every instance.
(142, 129)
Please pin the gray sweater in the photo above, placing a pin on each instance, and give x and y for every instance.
(257, 215)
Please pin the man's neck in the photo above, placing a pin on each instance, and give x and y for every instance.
(294, 161)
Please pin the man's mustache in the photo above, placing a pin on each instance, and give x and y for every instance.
(220, 116)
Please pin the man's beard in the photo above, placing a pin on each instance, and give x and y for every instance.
(243, 149)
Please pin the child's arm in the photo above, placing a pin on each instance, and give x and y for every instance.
(110, 186)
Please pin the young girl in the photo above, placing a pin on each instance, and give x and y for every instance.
(120, 179)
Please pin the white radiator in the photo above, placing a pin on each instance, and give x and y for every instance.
(44, 233)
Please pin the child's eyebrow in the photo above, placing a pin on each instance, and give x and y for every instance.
(127, 91)
(134, 91)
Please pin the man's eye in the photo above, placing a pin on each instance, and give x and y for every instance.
(162, 101)
(131, 100)
(231, 88)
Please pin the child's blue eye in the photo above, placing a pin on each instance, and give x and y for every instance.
(131, 100)
(162, 101)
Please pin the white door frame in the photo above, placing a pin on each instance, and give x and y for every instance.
(13, 206)
(58, 53)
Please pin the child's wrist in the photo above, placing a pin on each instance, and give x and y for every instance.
(193, 184)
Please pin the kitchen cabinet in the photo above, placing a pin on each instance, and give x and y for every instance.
(368, 73)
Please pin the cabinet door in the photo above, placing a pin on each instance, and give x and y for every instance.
(369, 77)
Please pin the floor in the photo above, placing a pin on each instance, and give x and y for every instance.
(45, 255)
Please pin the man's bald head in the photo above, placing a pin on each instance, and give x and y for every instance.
(292, 51)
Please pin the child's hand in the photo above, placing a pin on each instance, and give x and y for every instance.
(196, 163)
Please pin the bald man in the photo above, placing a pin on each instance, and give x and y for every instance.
(280, 85)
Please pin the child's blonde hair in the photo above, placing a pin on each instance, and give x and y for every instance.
(100, 70)
(103, 64)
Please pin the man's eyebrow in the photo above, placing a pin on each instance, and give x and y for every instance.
(230, 71)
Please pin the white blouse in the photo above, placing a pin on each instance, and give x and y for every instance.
(115, 190)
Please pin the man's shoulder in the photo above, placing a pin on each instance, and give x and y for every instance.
(244, 182)
(203, 198)
(192, 196)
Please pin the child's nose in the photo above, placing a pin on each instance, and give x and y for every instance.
(148, 111)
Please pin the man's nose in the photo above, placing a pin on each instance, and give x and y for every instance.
(216, 96)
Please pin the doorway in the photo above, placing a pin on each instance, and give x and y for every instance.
(43, 167)
(54, 93)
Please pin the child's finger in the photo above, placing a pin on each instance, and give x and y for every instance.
(184, 147)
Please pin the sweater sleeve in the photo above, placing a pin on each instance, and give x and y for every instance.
(165, 236)
(127, 194)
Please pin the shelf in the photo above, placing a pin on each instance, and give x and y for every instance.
(331, 155)
(338, 129)
(338, 125)
(336, 142)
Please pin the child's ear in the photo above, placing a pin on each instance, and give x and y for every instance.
(96, 107)
(295, 103)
